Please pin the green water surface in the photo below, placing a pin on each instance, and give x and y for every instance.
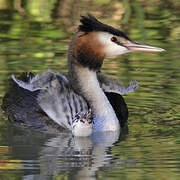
(34, 36)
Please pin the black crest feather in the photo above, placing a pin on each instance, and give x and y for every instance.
(90, 23)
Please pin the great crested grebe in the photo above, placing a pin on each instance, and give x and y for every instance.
(67, 99)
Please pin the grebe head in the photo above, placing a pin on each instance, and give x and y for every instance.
(96, 41)
(82, 124)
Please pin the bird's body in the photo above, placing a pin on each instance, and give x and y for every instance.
(56, 97)
(63, 97)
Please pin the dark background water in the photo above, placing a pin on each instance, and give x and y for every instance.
(34, 36)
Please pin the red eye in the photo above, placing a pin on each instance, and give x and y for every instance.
(114, 39)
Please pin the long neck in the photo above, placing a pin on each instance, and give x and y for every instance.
(84, 81)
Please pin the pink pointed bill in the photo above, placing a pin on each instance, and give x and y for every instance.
(134, 46)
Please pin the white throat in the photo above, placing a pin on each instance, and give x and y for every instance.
(103, 114)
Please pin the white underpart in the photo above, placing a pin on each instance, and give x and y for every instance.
(81, 129)
(111, 48)
(104, 116)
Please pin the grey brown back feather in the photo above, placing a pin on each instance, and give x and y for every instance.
(115, 85)
(57, 99)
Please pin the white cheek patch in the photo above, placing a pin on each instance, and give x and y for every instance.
(115, 50)
(110, 48)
